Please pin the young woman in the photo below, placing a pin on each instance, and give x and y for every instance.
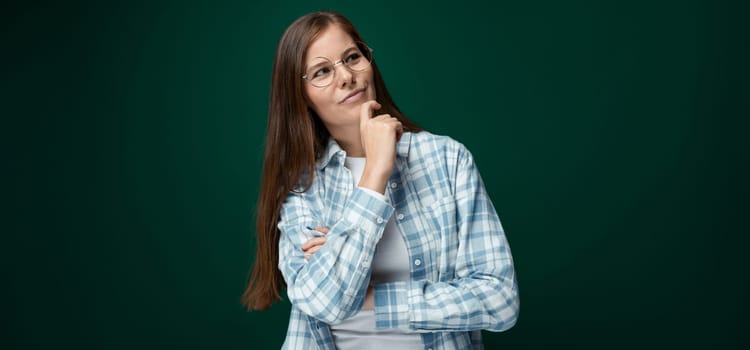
(382, 233)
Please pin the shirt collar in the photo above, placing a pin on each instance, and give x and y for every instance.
(333, 149)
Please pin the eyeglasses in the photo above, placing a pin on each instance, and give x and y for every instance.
(321, 72)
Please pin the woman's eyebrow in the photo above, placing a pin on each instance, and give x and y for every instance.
(319, 63)
(350, 48)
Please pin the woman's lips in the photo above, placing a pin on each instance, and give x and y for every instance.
(353, 96)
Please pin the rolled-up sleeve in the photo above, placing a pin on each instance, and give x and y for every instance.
(330, 286)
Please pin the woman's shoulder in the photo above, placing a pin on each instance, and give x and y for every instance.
(427, 142)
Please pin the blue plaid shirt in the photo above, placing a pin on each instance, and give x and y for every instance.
(462, 275)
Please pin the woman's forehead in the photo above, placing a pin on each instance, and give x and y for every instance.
(330, 43)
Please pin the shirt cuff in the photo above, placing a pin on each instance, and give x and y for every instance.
(368, 212)
(391, 305)
(372, 192)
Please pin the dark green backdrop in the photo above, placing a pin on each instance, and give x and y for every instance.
(609, 135)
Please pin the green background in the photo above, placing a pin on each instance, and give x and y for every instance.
(610, 135)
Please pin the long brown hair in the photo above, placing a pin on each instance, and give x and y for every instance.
(295, 138)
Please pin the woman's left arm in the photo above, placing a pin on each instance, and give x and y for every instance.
(484, 294)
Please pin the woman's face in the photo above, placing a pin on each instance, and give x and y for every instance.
(339, 103)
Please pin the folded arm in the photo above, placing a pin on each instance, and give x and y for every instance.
(331, 285)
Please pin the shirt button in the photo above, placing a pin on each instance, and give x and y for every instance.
(400, 216)
(394, 184)
(379, 220)
(417, 262)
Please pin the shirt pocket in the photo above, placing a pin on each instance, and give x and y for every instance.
(441, 214)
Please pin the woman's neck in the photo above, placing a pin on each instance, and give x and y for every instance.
(349, 140)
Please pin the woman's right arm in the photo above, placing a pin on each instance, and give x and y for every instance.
(331, 285)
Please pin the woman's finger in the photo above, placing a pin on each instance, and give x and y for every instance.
(314, 249)
(309, 252)
(312, 242)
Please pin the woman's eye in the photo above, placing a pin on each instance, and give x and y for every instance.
(321, 72)
(353, 57)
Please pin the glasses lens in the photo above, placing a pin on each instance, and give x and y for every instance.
(359, 58)
(320, 72)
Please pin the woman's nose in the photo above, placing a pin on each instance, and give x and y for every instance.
(344, 76)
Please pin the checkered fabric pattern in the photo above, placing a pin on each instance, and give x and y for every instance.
(462, 274)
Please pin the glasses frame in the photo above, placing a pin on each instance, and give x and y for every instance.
(358, 44)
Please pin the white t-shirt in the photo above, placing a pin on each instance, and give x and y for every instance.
(390, 264)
